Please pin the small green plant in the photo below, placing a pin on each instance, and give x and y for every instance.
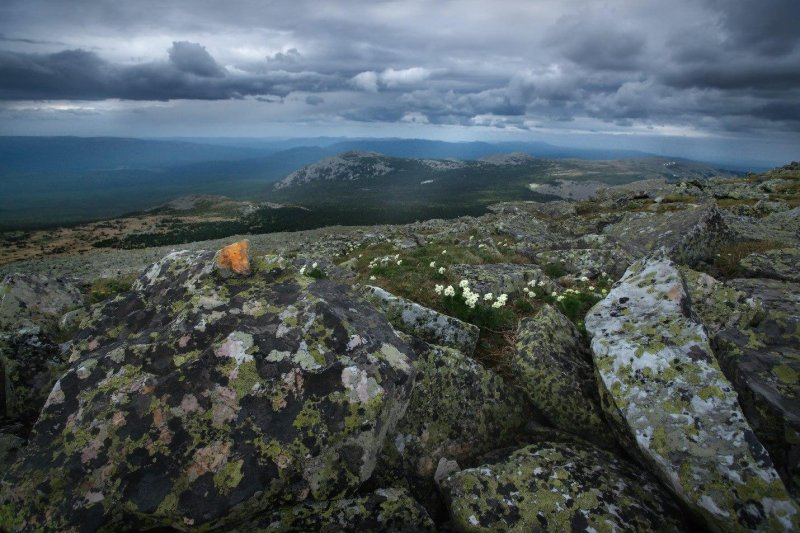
(554, 270)
(103, 289)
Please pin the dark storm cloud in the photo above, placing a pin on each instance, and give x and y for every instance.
(190, 73)
(194, 59)
(711, 65)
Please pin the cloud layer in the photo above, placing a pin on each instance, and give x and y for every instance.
(710, 67)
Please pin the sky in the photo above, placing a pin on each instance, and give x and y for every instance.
(717, 80)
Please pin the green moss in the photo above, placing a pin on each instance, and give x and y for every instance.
(229, 476)
(786, 374)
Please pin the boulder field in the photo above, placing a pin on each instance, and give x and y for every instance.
(628, 363)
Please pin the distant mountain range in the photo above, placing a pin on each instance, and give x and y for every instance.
(49, 180)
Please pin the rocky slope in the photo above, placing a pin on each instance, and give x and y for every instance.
(627, 362)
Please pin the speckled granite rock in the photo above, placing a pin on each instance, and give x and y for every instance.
(559, 486)
(196, 400)
(688, 236)
(668, 397)
(502, 278)
(423, 322)
(380, 511)
(458, 410)
(783, 264)
(553, 368)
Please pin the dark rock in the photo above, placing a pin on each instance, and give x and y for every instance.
(197, 401)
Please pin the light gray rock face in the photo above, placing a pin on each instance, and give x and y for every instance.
(688, 236)
(508, 278)
(423, 322)
(590, 262)
(553, 368)
(669, 398)
(783, 227)
(782, 264)
(559, 486)
(27, 299)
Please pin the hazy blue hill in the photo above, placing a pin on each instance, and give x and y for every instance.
(23, 155)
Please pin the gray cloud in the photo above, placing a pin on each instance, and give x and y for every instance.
(194, 59)
(713, 66)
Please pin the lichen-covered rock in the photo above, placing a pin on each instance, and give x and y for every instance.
(559, 486)
(762, 359)
(380, 511)
(30, 299)
(669, 398)
(30, 364)
(458, 411)
(423, 322)
(688, 236)
(590, 262)
(10, 446)
(718, 306)
(782, 227)
(499, 278)
(552, 366)
(197, 400)
(782, 264)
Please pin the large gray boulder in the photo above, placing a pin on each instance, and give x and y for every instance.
(559, 486)
(30, 359)
(590, 262)
(198, 400)
(499, 278)
(458, 411)
(762, 359)
(423, 322)
(689, 236)
(553, 368)
(782, 264)
(669, 399)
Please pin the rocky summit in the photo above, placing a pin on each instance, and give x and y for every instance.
(624, 362)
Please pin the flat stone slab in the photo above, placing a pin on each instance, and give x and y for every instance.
(668, 396)
(783, 264)
(425, 323)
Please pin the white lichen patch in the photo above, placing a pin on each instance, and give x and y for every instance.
(236, 347)
(361, 386)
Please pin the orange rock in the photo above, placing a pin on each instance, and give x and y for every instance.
(235, 258)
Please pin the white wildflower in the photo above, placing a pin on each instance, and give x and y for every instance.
(441, 270)
(399, 262)
(591, 287)
(541, 283)
(444, 252)
(372, 278)
(554, 294)
(433, 264)
(471, 237)
(560, 298)
(526, 290)
(502, 299)
(314, 265)
(302, 270)
(497, 305)
(438, 289)
(584, 279)
(488, 296)
(449, 291)
(464, 283)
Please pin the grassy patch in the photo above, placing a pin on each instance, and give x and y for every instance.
(103, 289)
(726, 263)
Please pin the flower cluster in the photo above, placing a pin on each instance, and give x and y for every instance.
(471, 297)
